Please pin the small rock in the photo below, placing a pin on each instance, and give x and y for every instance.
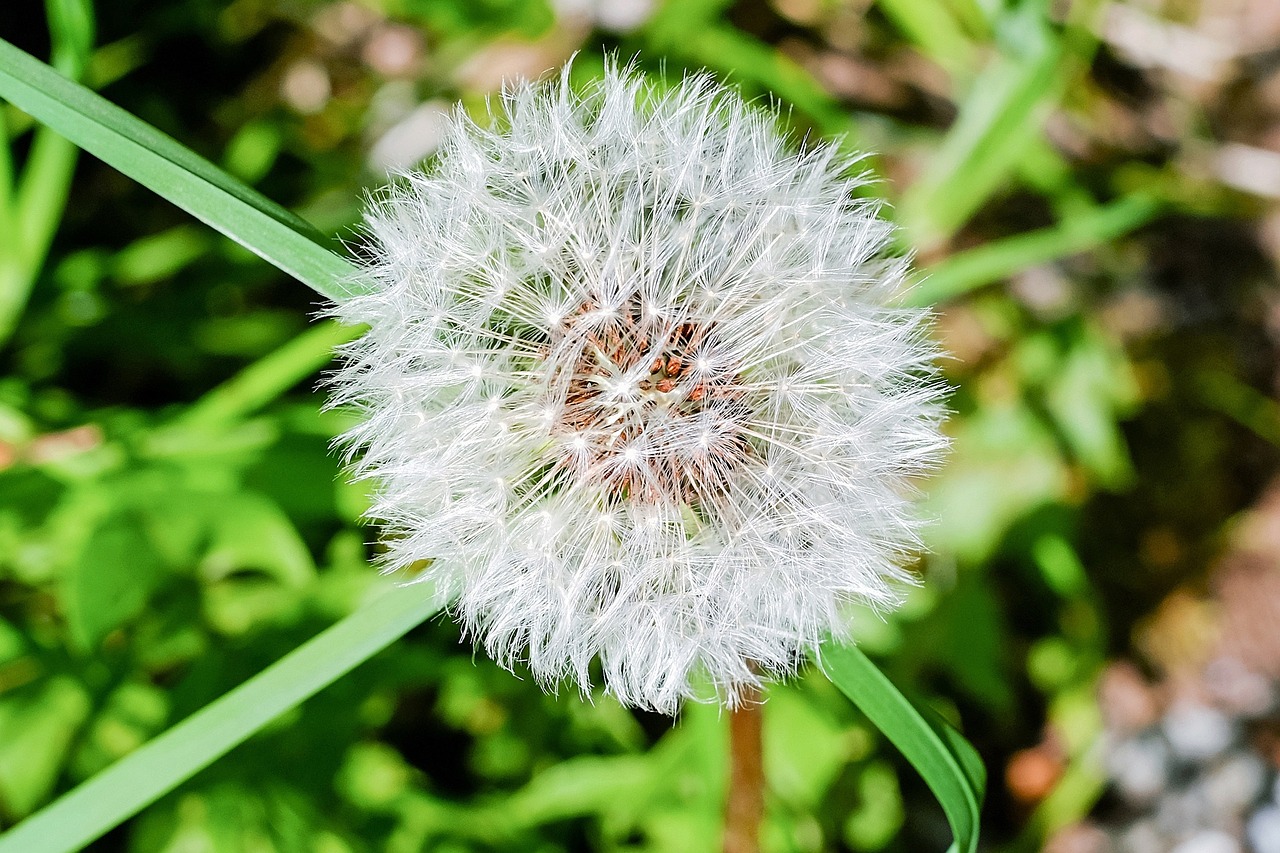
(1209, 841)
(1180, 814)
(394, 50)
(1128, 703)
(623, 16)
(1235, 687)
(1143, 837)
(1263, 830)
(306, 87)
(1232, 786)
(1080, 838)
(1197, 732)
(1140, 768)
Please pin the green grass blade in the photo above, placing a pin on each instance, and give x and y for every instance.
(695, 32)
(947, 762)
(8, 230)
(42, 195)
(1247, 406)
(752, 60)
(175, 172)
(46, 179)
(999, 119)
(71, 27)
(974, 268)
(932, 25)
(142, 777)
(266, 379)
(33, 203)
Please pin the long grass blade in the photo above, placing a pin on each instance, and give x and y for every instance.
(173, 171)
(947, 762)
(989, 263)
(143, 776)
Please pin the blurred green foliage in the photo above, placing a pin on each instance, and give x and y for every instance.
(172, 521)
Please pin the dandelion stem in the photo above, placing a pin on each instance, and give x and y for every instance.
(745, 804)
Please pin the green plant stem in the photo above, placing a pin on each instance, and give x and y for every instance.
(268, 378)
(8, 224)
(41, 198)
(140, 778)
(974, 268)
(32, 208)
(933, 26)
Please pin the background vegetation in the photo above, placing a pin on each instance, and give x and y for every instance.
(1090, 190)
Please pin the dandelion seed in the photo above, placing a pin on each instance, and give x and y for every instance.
(632, 383)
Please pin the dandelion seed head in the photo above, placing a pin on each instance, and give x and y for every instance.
(635, 387)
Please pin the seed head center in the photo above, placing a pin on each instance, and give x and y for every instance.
(646, 414)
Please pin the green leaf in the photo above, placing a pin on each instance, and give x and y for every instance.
(879, 815)
(139, 779)
(949, 765)
(173, 171)
(582, 785)
(233, 816)
(1091, 389)
(39, 722)
(970, 638)
(1006, 462)
(249, 531)
(112, 580)
(158, 256)
(804, 750)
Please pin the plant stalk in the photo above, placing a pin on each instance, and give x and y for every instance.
(744, 806)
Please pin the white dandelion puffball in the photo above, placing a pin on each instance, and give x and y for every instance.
(633, 389)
